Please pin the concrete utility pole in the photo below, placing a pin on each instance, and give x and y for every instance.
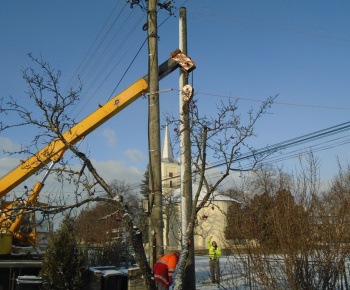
(155, 184)
(185, 157)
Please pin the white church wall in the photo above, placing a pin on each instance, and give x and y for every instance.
(211, 222)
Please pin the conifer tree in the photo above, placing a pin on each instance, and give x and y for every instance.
(142, 221)
(145, 183)
(62, 267)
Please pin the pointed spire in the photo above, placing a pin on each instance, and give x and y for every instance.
(167, 151)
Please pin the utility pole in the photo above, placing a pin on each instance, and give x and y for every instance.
(155, 184)
(185, 157)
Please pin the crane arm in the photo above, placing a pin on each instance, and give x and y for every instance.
(72, 136)
(54, 150)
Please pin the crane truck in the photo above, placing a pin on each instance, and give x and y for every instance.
(11, 220)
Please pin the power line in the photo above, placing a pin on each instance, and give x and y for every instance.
(277, 27)
(271, 149)
(337, 129)
(74, 77)
(107, 63)
(131, 63)
(278, 103)
(95, 62)
(289, 143)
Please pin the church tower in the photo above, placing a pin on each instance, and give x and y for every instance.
(169, 166)
(170, 184)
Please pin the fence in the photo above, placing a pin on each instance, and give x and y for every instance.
(273, 273)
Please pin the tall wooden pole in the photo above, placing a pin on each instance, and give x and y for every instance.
(155, 185)
(185, 157)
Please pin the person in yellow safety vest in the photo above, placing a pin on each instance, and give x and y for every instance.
(214, 256)
(164, 269)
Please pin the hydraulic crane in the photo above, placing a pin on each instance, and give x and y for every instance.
(54, 151)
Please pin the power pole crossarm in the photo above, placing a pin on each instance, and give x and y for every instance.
(55, 150)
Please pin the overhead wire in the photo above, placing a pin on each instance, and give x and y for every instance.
(134, 58)
(337, 129)
(111, 71)
(85, 63)
(74, 76)
(276, 26)
(274, 102)
(298, 152)
(109, 61)
(137, 185)
(231, 97)
(83, 66)
(248, 156)
(99, 62)
(289, 143)
(126, 71)
(121, 43)
(103, 39)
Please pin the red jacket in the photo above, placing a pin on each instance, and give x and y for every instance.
(165, 267)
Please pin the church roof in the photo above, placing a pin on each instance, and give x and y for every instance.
(167, 151)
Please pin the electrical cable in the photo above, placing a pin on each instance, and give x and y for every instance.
(289, 155)
(110, 72)
(340, 128)
(276, 27)
(278, 103)
(91, 46)
(307, 138)
(92, 56)
(87, 61)
(133, 60)
(98, 61)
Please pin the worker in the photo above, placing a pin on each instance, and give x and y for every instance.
(164, 269)
(214, 256)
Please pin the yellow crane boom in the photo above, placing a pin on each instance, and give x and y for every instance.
(72, 136)
(54, 150)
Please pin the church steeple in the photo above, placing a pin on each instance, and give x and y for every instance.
(167, 151)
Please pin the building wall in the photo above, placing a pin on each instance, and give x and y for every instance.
(211, 218)
(170, 170)
(211, 222)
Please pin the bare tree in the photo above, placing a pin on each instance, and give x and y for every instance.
(98, 224)
(50, 118)
(218, 141)
(296, 240)
(268, 179)
(171, 204)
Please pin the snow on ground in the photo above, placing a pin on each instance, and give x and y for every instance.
(203, 280)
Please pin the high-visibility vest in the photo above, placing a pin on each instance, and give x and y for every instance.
(214, 253)
(164, 268)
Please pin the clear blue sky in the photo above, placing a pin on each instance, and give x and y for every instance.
(243, 49)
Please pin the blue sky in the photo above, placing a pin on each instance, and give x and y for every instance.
(243, 49)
